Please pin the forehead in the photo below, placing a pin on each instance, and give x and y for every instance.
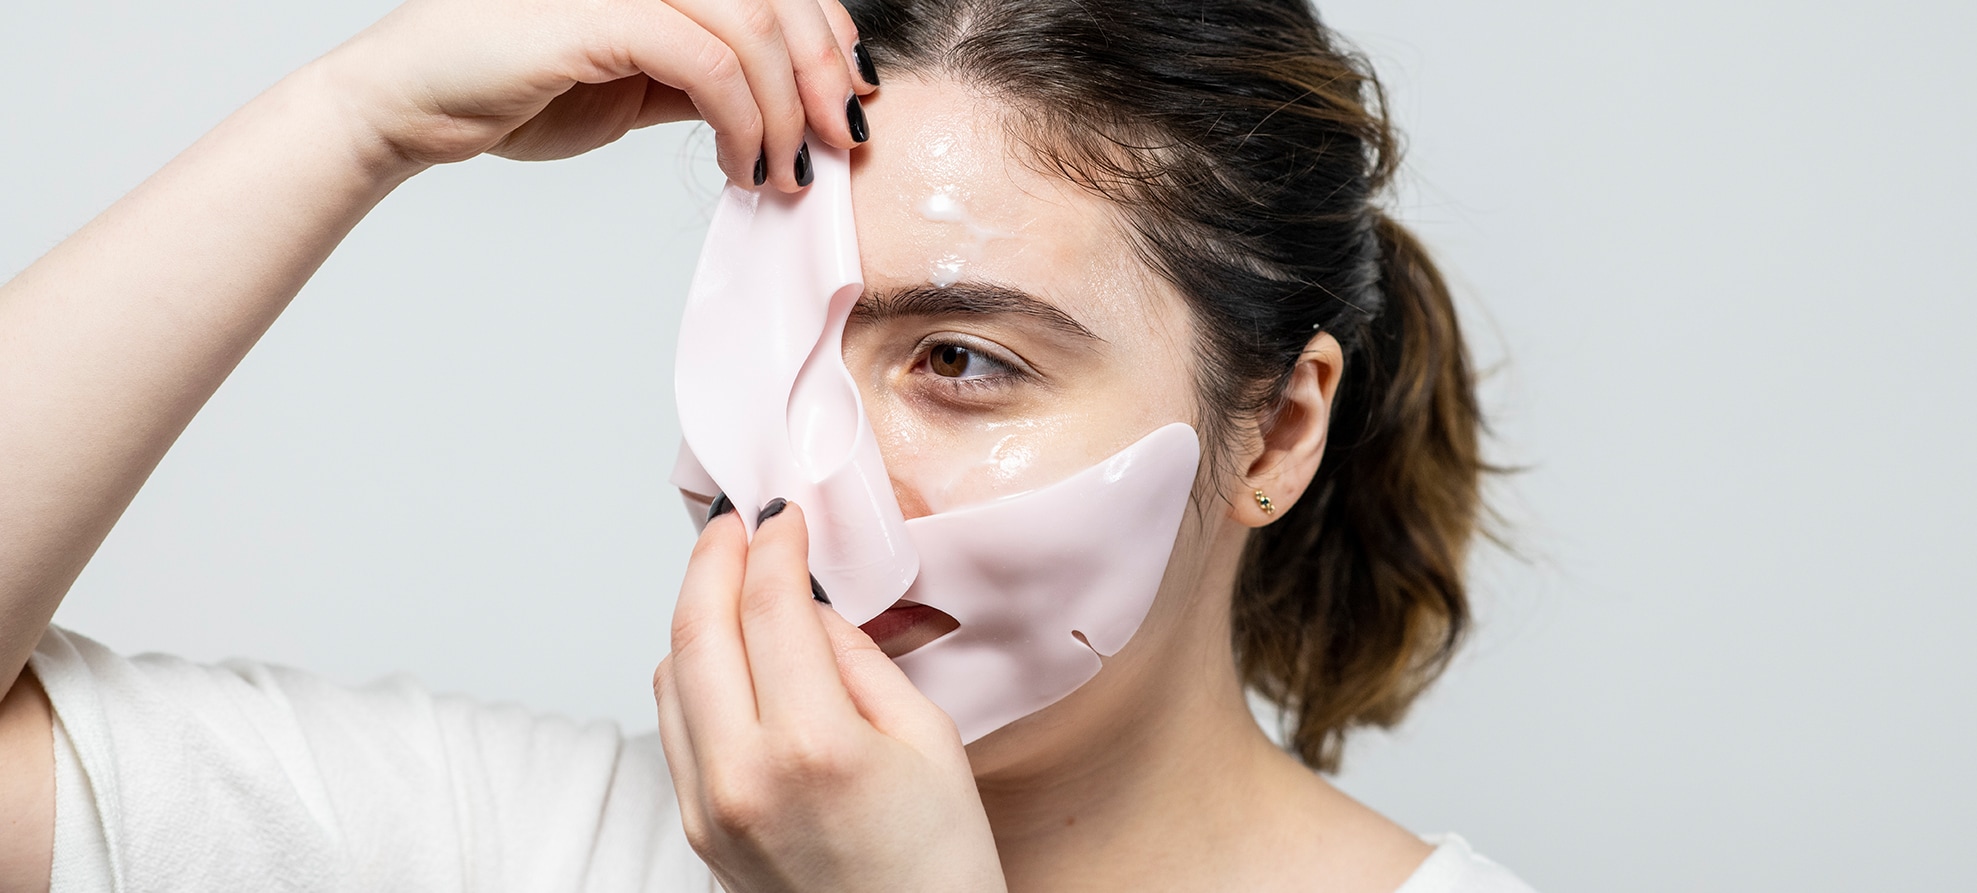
(942, 192)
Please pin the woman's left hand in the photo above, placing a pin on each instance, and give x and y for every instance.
(802, 757)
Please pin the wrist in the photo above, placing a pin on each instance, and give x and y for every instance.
(347, 113)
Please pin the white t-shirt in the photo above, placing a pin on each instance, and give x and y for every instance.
(175, 776)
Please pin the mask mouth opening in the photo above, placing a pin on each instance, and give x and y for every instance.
(908, 625)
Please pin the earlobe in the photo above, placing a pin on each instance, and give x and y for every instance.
(1293, 438)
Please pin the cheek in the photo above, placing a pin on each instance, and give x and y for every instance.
(939, 459)
(939, 464)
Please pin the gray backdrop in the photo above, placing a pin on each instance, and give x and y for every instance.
(1714, 253)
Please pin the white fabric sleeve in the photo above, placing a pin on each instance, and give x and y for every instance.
(178, 776)
(82, 858)
(1455, 868)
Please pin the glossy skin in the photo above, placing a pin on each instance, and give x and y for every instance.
(1152, 777)
(968, 404)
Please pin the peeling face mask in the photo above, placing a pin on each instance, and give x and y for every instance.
(1043, 578)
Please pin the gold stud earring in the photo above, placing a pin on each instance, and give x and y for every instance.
(1263, 502)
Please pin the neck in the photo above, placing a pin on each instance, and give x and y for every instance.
(1162, 802)
(1138, 792)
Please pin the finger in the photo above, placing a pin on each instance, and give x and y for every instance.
(753, 30)
(789, 656)
(823, 74)
(671, 48)
(681, 761)
(846, 32)
(717, 696)
(880, 690)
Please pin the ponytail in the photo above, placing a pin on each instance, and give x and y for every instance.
(1353, 602)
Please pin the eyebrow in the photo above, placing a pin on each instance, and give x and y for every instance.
(965, 299)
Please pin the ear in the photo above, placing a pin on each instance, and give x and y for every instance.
(1284, 453)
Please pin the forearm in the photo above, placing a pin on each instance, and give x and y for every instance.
(114, 340)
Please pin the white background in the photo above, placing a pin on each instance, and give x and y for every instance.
(1717, 255)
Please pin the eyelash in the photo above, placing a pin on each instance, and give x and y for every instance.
(1009, 371)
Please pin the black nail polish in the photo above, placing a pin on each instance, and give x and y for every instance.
(803, 173)
(719, 507)
(817, 591)
(774, 508)
(864, 60)
(761, 168)
(854, 114)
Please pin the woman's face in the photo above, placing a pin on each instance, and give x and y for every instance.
(1009, 336)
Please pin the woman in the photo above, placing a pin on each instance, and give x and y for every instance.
(1172, 207)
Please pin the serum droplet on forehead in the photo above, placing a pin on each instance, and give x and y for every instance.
(947, 270)
(943, 207)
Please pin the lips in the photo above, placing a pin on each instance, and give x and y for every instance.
(908, 625)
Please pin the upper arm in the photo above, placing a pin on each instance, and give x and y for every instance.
(27, 786)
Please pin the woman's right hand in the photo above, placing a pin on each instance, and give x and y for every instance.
(801, 755)
(445, 80)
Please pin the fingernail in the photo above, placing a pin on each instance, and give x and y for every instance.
(817, 590)
(761, 168)
(774, 508)
(719, 507)
(864, 59)
(803, 172)
(854, 114)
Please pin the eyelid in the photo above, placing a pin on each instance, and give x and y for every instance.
(988, 350)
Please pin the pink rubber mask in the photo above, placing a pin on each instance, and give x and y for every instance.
(1042, 582)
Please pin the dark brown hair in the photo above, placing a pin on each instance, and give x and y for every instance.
(1250, 148)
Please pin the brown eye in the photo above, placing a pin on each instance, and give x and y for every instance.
(957, 362)
(949, 360)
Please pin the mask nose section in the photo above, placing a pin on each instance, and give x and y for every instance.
(766, 405)
(824, 409)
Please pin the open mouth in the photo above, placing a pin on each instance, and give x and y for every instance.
(908, 625)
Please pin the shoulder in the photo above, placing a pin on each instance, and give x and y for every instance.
(1456, 868)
